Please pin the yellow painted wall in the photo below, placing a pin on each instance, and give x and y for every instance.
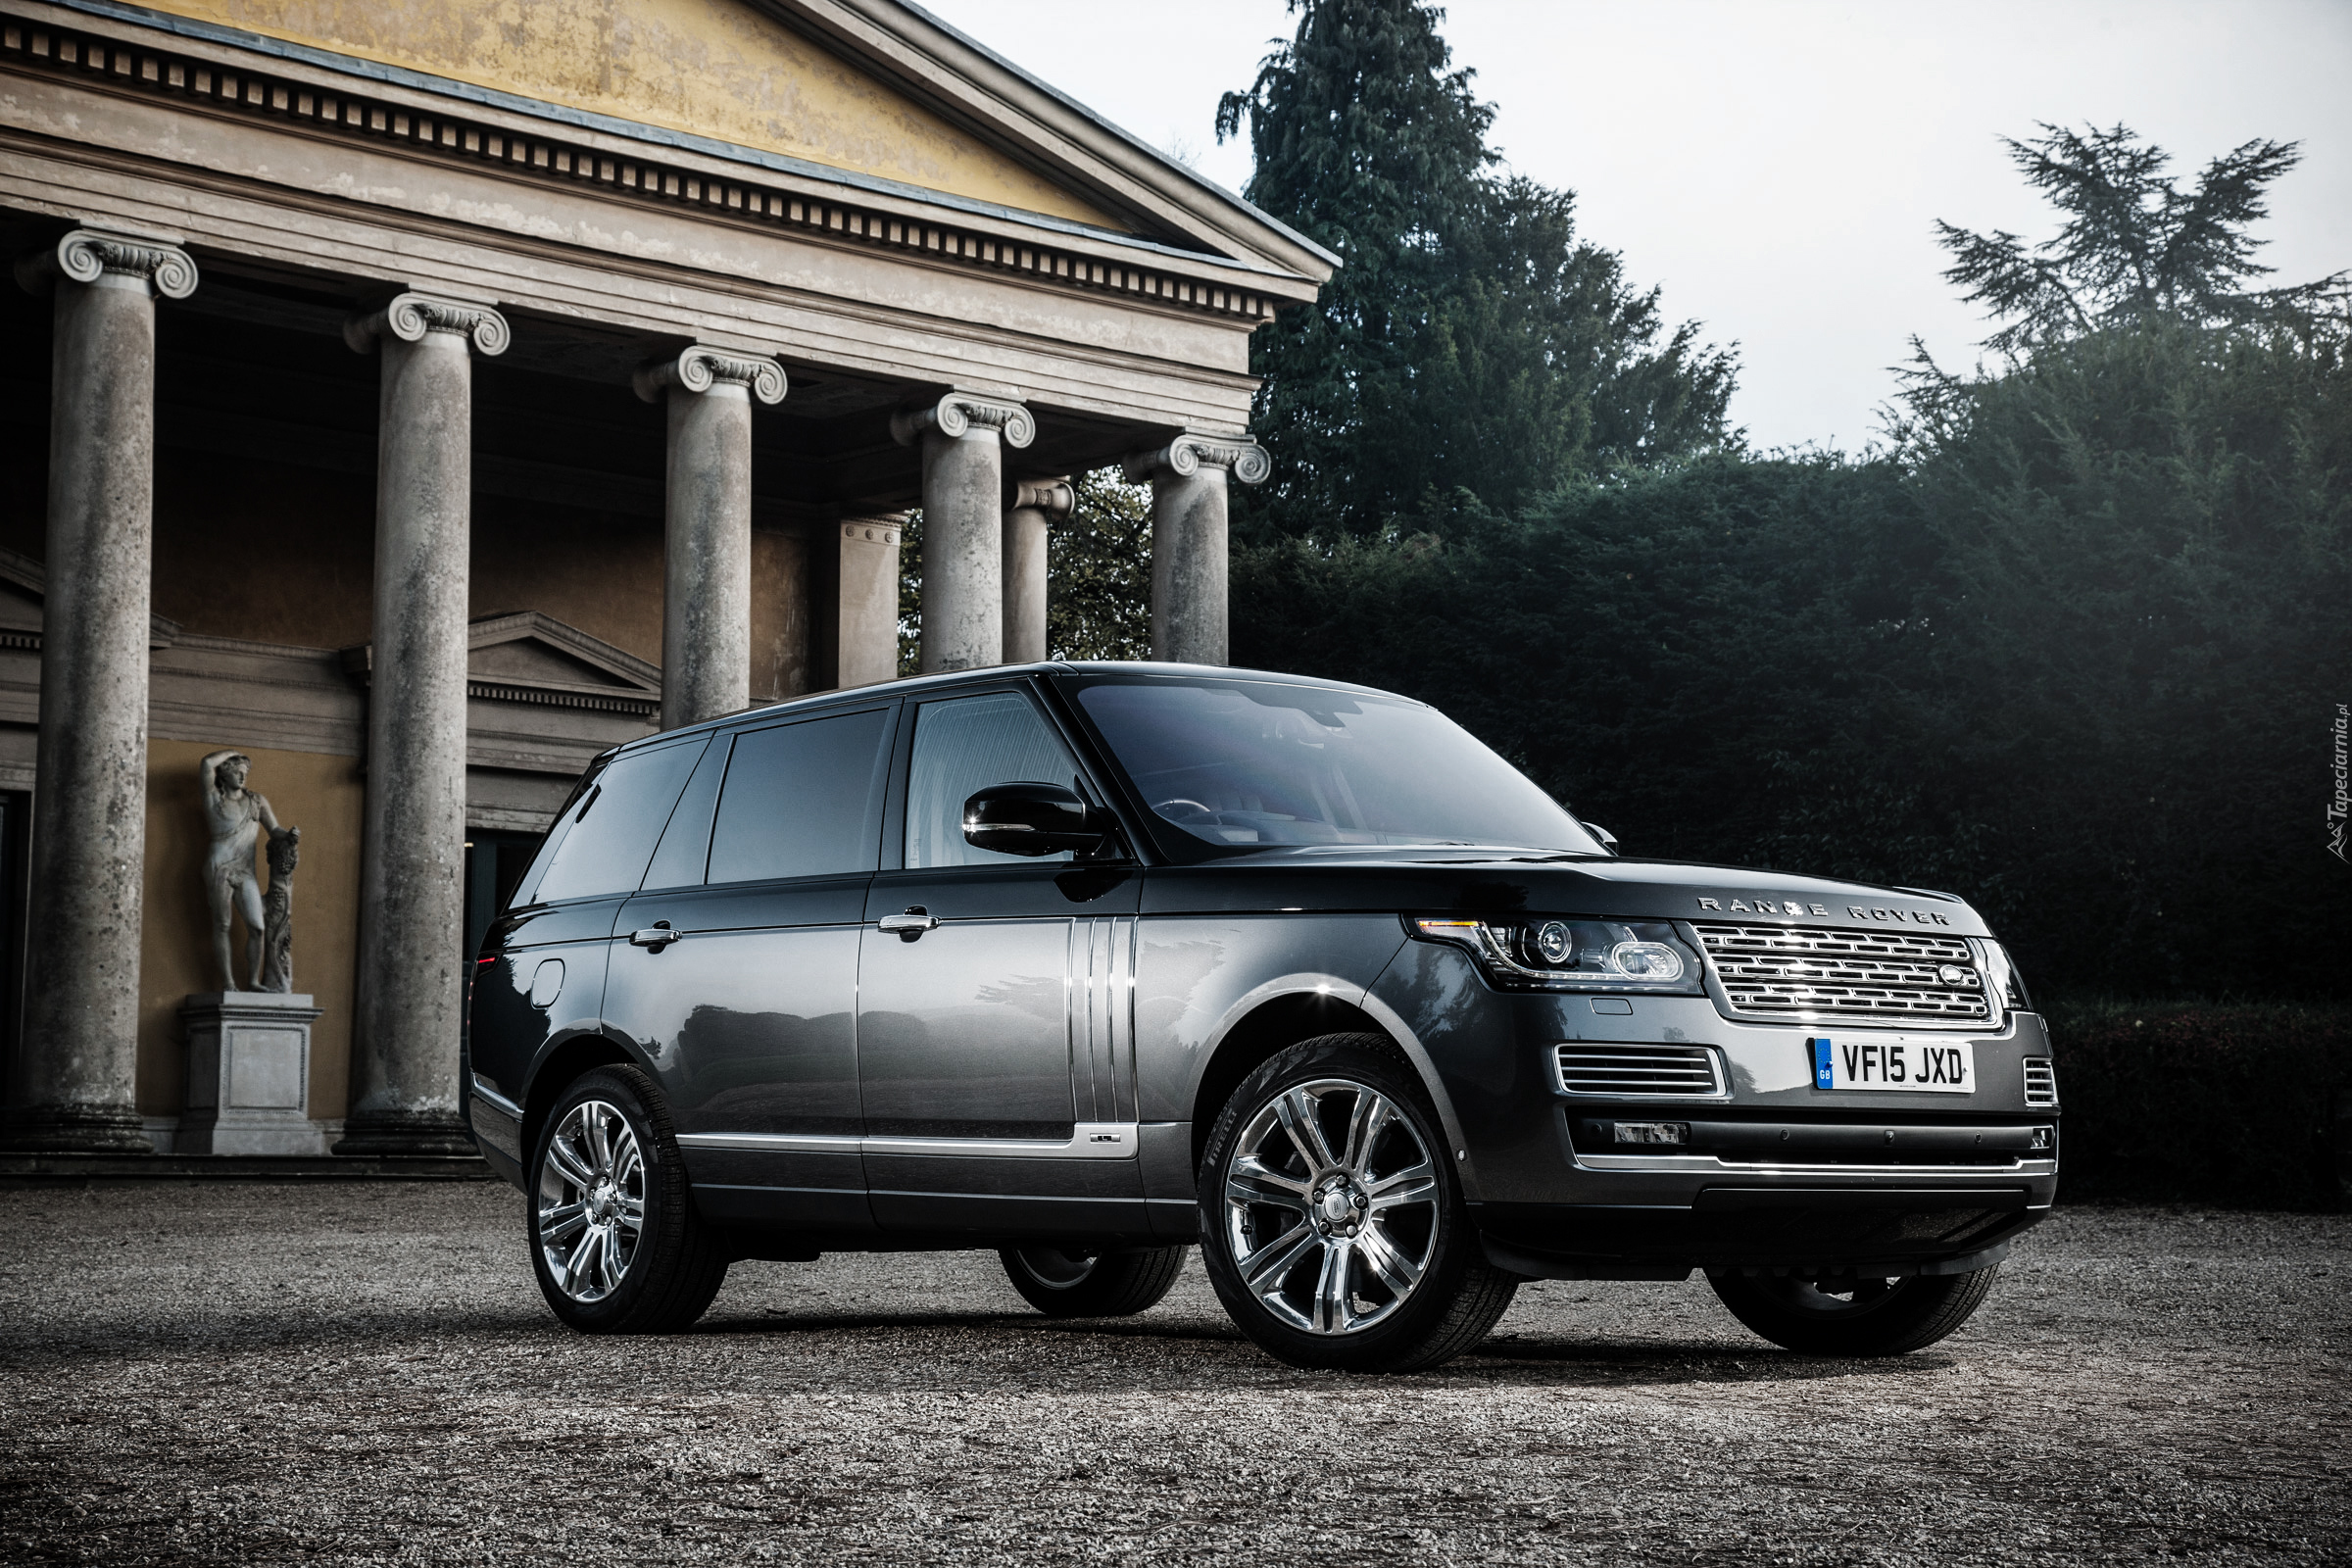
(319, 793)
(707, 67)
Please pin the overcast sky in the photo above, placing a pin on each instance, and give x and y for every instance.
(1776, 166)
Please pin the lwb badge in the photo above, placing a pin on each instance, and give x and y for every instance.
(1821, 1064)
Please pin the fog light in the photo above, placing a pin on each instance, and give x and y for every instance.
(2042, 1138)
(1654, 1132)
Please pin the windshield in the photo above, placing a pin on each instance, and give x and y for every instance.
(1253, 762)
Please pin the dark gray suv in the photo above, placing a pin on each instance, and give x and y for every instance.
(1090, 964)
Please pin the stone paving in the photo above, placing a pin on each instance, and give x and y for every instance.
(363, 1372)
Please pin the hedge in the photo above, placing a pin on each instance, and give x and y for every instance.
(2241, 1105)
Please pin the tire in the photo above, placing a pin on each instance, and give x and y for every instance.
(1077, 1282)
(1863, 1317)
(604, 1156)
(1343, 1244)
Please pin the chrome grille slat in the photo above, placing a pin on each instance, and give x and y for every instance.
(1791, 971)
(1639, 1071)
(2041, 1083)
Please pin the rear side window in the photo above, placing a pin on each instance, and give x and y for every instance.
(801, 800)
(608, 834)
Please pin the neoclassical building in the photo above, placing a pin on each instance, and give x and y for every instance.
(418, 398)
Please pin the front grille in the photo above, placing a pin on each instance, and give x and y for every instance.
(1805, 972)
(2041, 1082)
(1639, 1071)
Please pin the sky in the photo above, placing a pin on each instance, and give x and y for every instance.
(1776, 166)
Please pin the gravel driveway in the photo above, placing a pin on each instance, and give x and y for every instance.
(365, 1372)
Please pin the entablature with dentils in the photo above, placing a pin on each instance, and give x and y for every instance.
(209, 70)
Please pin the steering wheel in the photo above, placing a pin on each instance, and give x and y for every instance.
(1167, 809)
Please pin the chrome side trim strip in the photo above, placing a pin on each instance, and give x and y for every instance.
(775, 1142)
(485, 1092)
(1088, 1140)
(1709, 1164)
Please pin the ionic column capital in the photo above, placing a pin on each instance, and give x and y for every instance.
(410, 317)
(1184, 456)
(1052, 497)
(701, 368)
(85, 255)
(959, 412)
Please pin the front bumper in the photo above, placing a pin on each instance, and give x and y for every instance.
(1774, 1173)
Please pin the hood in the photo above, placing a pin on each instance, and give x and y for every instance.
(1500, 882)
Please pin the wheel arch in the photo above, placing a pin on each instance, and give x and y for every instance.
(557, 1070)
(1278, 1022)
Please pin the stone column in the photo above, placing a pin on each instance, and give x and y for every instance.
(411, 871)
(707, 551)
(963, 524)
(1031, 507)
(861, 622)
(73, 1083)
(1187, 539)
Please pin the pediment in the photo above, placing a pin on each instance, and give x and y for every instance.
(527, 656)
(726, 69)
(24, 588)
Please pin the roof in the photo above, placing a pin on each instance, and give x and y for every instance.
(917, 685)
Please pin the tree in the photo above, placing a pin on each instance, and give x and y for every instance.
(2132, 246)
(1469, 340)
(1098, 572)
(1098, 582)
(2070, 647)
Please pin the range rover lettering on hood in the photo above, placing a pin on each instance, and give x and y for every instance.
(1855, 910)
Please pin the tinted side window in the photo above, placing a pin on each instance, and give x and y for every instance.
(608, 835)
(800, 800)
(966, 744)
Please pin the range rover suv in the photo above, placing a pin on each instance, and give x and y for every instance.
(1091, 964)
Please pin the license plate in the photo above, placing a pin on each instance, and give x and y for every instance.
(1929, 1066)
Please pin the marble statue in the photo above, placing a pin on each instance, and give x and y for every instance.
(238, 816)
(282, 851)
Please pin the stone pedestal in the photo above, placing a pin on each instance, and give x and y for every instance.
(249, 1074)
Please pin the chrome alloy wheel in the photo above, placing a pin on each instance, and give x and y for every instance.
(591, 1201)
(1331, 1206)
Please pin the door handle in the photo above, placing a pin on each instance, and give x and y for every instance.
(656, 935)
(910, 927)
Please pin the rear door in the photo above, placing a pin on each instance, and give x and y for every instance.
(545, 980)
(978, 1073)
(736, 968)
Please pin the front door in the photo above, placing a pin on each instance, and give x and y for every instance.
(736, 968)
(979, 1090)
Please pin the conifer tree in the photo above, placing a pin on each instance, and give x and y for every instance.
(1470, 340)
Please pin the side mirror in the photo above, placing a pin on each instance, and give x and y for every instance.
(1033, 819)
(1608, 840)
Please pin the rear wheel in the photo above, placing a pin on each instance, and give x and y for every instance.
(1332, 1222)
(1080, 1282)
(616, 1241)
(1842, 1315)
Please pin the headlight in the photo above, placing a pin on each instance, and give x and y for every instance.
(1570, 955)
(2001, 975)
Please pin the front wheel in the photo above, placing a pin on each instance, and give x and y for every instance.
(616, 1241)
(1841, 1316)
(1332, 1222)
(1079, 1282)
